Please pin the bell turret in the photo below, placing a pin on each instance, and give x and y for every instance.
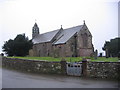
(35, 30)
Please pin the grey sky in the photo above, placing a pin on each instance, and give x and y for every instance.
(18, 16)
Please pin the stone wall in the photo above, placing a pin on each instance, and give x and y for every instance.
(108, 70)
(59, 50)
(35, 66)
(70, 47)
(43, 49)
(88, 49)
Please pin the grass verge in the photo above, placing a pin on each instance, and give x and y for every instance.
(71, 59)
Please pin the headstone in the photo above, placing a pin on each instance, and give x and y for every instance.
(100, 55)
(96, 54)
(107, 53)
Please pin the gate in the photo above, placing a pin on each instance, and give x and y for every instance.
(74, 69)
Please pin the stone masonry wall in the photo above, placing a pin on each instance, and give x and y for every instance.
(108, 70)
(43, 49)
(82, 49)
(35, 66)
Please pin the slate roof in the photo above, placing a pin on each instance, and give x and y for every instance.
(45, 37)
(67, 34)
(63, 37)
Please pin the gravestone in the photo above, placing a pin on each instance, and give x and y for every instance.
(100, 55)
(96, 54)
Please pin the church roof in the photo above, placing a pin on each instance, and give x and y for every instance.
(67, 34)
(63, 37)
(45, 37)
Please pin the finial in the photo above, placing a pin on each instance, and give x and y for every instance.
(35, 23)
(84, 21)
(61, 26)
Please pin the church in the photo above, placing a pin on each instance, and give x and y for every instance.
(70, 42)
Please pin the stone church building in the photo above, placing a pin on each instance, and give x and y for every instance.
(71, 42)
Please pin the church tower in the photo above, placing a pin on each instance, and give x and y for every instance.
(35, 30)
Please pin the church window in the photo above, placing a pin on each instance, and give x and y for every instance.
(48, 52)
(85, 39)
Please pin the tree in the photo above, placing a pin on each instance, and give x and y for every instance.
(20, 46)
(112, 47)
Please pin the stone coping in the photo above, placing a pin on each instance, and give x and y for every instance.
(35, 60)
(103, 62)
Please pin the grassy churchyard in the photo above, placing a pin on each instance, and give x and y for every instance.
(71, 59)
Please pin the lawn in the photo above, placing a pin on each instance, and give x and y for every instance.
(111, 59)
(70, 59)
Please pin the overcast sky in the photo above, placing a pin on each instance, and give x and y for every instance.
(18, 16)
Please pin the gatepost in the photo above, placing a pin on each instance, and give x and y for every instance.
(84, 67)
(63, 66)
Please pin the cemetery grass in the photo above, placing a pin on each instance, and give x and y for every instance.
(68, 59)
(104, 59)
(71, 59)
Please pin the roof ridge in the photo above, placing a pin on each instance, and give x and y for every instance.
(73, 27)
(63, 37)
(49, 32)
(63, 29)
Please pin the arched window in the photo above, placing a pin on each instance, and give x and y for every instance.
(85, 39)
(48, 52)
